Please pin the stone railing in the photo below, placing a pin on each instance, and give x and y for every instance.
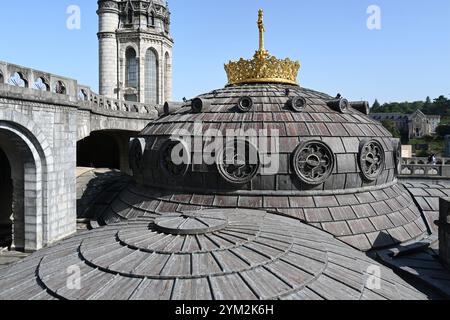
(419, 167)
(91, 100)
(27, 78)
(15, 79)
(417, 160)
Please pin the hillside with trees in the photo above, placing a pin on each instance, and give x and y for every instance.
(439, 106)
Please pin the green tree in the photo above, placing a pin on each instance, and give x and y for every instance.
(391, 127)
(440, 106)
(376, 106)
(443, 130)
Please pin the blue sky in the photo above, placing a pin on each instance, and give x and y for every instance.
(408, 59)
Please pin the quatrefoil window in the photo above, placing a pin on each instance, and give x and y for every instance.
(175, 158)
(238, 162)
(313, 162)
(371, 159)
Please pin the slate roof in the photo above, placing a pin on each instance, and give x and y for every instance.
(364, 220)
(390, 116)
(426, 195)
(270, 110)
(216, 254)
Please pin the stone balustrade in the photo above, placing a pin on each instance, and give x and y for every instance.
(421, 161)
(419, 167)
(18, 79)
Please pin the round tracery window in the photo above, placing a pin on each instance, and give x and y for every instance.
(175, 158)
(313, 162)
(371, 159)
(238, 162)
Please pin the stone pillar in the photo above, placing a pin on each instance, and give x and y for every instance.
(108, 13)
(444, 231)
(168, 76)
(123, 141)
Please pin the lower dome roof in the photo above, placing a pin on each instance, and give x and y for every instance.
(210, 254)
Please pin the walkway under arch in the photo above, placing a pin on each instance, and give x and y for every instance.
(5, 201)
(28, 172)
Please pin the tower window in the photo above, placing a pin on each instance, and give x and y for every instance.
(151, 19)
(151, 77)
(131, 68)
(130, 16)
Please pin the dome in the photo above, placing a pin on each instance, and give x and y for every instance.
(264, 142)
(326, 163)
(209, 255)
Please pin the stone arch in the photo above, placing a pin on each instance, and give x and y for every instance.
(41, 84)
(27, 172)
(59, 87)
(18, 79)
(152, 76)
(32, 163)
(82, 95)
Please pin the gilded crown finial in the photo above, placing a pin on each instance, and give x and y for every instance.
(262, 29)
(263, 68)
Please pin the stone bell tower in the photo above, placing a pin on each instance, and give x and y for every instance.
(135, 50)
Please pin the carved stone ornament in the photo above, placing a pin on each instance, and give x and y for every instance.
(313, 162)
(238, 162)
(371, 159)
(175, 158)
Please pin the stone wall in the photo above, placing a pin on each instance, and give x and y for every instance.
(39, 139)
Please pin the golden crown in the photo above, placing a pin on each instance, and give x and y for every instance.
(263, 68)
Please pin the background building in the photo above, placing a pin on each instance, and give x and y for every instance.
(135, 50)
(416, 124)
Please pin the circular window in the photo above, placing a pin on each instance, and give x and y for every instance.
(313, 162)
(238, 162)
(298, 104)
(175, 158)
(371, 159)
(245, 104)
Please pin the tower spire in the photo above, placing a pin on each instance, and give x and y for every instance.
(262, 29)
